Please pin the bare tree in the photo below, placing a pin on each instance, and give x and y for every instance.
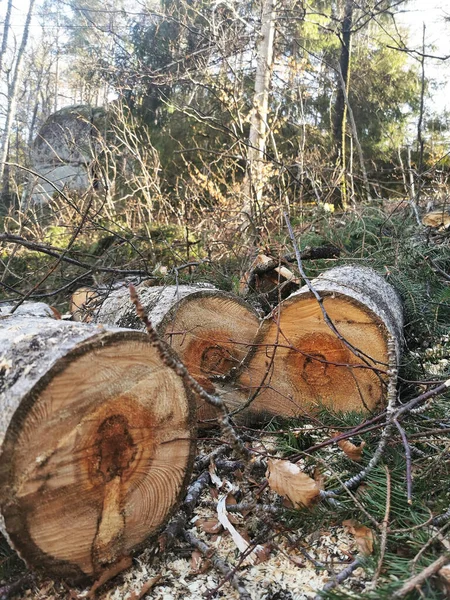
(12, 92)
(259, 129)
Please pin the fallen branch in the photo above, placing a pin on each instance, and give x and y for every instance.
(219, 564)
(343, 575)
(175, 528)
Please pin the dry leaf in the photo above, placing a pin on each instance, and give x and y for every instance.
(351, 451)
(319, 478)
(209, 525)
(363, 536)
(444, 574)
(288, 480)
(263, 553)
(196, 560)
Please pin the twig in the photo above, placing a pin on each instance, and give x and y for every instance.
(176, 526)
(390, 416)
(437, 535)
(178, 367)
(411, 583)
(202, 462)
(219, 564)
(59, 254)
(361, 355)
(374, 422)
(343, 575)
(384, 529)
(408, 461)
(60, 258)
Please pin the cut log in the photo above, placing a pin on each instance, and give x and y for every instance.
(28, 309)
(300, 364)
(96, 443)
(210, 330)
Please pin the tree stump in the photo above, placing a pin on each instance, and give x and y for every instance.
(96, 443)
(211, 331)
(301, 365)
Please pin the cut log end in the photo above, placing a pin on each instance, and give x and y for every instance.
(96, 457)
(309, 367)
(212, 335)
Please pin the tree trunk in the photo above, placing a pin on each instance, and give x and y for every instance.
(12, 92)
(96, 443)
(340, 107)
(210, 330)
(6, 26)
(301, 364)
(254, 180)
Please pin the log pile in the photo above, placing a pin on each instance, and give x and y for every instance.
(97, 432)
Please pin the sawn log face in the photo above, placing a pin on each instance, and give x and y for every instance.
(298, 362)
(97, 443)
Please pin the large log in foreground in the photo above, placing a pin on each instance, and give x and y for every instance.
(210, 330)
(96, 443)
(301, 364)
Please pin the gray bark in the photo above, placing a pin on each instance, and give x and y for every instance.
(258, 124)
(159, 302)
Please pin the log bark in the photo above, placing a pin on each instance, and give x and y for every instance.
(300, 364)
(210, 330)
(96, 443)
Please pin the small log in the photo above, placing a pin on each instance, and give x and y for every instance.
(96, 443)
(301, 364)
(27, 309)
(210, 330)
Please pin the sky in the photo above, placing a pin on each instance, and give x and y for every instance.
(437, 40)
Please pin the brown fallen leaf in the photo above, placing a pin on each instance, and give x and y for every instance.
(288, 480)
(351, 451)
(263, 552)
(144, 589)
(196, 560)
(209, 525)
(363, 536)
(444, 575)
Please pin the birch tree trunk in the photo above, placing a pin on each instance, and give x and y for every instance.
(340, 107)
(12, 91)
(254, 181)
(5, 34)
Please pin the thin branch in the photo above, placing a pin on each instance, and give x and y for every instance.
(411, 583)
(59, 254)
(219, 564)
(408, 461)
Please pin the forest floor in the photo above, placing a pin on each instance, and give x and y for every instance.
(383, 545)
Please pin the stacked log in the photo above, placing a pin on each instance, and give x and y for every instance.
(299, 363)
(211, 331)
(96, 443)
